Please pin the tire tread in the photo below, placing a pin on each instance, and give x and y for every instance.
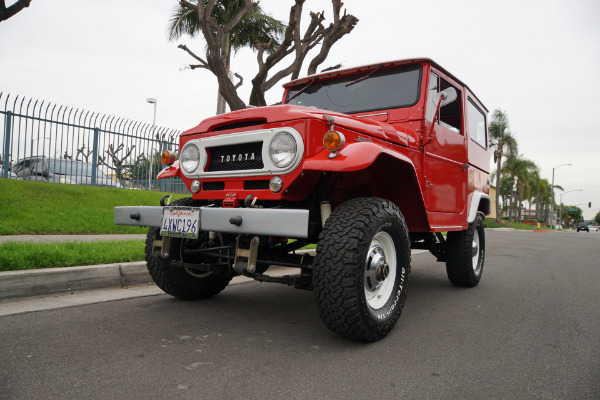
(336, 275)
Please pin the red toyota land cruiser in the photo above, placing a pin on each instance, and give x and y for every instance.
(368, 163)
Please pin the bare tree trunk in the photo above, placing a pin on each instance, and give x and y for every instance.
(510, 206)
(519, 202)
(221, 105)
(498, 173)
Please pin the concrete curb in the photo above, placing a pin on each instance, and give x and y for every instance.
(18, 284)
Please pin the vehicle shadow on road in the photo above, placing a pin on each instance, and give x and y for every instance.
(254, 310)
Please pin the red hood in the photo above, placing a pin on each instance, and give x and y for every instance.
(281, 113)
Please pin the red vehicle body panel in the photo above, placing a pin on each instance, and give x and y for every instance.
(428, 169)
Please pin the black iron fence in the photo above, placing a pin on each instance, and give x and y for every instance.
(47, 142)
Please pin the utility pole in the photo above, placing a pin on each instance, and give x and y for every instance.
(553, 205)
(151, 100)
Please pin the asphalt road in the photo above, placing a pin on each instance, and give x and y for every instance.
(530, 330)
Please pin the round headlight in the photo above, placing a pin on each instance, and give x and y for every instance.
(282, 149)
(190, 158)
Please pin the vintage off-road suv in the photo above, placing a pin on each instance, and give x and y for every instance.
(368, 163)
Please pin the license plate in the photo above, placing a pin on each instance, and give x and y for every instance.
(180, 222)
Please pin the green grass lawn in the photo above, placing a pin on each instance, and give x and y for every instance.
(51, 209)
(20, 256)
(504, 223)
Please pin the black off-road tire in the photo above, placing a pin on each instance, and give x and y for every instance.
(462, 267)
(176, 281)
(356, 235)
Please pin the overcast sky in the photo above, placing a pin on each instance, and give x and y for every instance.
(533, 59)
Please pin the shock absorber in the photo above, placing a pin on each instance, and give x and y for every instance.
(323, 197)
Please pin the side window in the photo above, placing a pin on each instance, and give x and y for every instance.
(450, 114)
(38, 168)
(434, 85)
(476, 124)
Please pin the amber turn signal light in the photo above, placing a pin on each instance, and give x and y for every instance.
(333, 140)
(167, 158)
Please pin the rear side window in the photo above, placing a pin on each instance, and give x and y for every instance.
(476, 125)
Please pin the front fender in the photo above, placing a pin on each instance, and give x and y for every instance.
(169, 172)
(353, 157)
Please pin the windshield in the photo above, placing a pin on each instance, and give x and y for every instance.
(374, 90)
(74, 168)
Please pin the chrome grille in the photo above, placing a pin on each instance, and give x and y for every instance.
(237, 157)
(213, 186)
(256, 185)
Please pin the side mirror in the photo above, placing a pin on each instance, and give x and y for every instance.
(440, 99)
(448, 96)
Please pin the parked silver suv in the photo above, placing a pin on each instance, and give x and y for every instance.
(59, 170)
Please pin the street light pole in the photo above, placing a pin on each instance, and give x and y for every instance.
(151, 100)
(560, 207)
(553, 204)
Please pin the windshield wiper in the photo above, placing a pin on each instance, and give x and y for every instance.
(364, 77)
(300, 91)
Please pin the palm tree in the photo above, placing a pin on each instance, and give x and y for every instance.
(254, 27)
(519, 170)
(532, 191)
(509, 170)
(502, 140)
(526, 176)
(505, 190)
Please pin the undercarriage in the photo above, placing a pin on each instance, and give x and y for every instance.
(246, 255)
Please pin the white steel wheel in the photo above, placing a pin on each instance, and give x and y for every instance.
(380, 270)
(475, 252)
(360, 272)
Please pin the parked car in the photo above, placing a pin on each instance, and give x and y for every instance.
(583, 226)
(10, 174)
(593, 228)
(58, 170)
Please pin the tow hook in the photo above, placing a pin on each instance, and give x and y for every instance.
(162, 200)
(250, 201)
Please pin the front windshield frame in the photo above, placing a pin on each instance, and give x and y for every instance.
(375, 83)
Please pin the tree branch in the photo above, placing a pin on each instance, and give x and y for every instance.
(334, 32)
(250, 6)
(203, 64)
(6, 13)
(293, 42)
(241, 82)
